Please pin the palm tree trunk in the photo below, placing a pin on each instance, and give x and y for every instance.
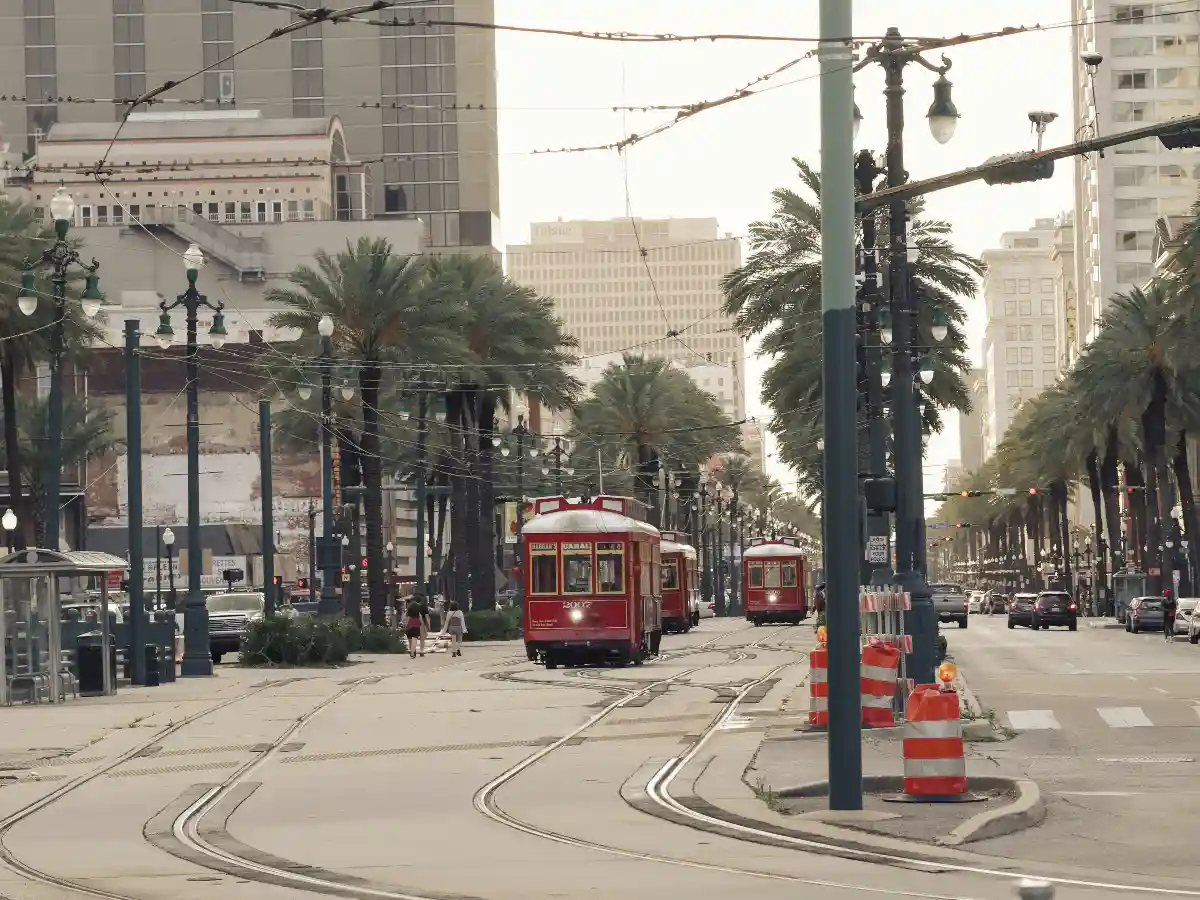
(1136, 499)
(460, 521)
(644, 480)
(483, 584)
(1109, 484)
(1154, 434)
(369, 377)
(1100, 563)
(1058, 490)
(1187, 502)
(12, 446)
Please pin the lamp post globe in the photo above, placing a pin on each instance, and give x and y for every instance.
(62, 205)
(943, 114)
(168, 537)
(325, 326)
(9, 520)
(193, 258)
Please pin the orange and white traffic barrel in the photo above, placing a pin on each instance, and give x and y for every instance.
(877, 683)
(934, 764)
(818, 687)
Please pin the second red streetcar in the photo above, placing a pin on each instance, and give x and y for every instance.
(773, 573)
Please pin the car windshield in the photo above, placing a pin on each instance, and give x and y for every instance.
(235, 603)
(1054, 596)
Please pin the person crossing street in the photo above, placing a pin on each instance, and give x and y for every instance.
(1169, 608)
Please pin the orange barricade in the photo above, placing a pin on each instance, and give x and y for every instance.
(818, 687)
(877, 683)
(933, 745)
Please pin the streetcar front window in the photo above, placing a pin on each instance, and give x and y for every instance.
(789, 575)
(543, 573)
(670, 576)
(577, 568)
(610, 567)
(756, 575)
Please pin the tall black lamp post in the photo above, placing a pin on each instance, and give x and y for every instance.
(197, 658)
(59, 258)
(168, 539)
(328, 547)
(522, 436)
(557, 452)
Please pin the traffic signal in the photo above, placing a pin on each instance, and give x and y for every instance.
(364, 562)
(963, 525)
(1020, 168)
(277, 580)
(1033, 492)
(970, 493)
(302, 584)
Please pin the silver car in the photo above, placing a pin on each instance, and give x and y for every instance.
(1144, 614)
(1185, 608)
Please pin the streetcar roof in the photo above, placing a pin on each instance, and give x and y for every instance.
(672, 547)
(762, 550)
(586, 521)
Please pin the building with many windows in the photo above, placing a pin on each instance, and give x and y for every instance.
(1150, 73)
(649, 286)
(417, 104)
(970, 426)
(1020, 344)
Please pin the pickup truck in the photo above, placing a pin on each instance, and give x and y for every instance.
(949, 603)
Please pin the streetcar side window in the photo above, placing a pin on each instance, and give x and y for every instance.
(610, 567)
(670, 576)
(577, 568)
(789, 575)
(756, 575)
(772, 579)
(543, 569)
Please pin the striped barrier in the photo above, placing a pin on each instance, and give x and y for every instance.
(934, 765)
(877, 683)
(818, 687)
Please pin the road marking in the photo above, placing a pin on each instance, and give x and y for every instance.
(1098, 793)
(1131, 677)
(1162, 690)
(1032, 719)
(1124, 716)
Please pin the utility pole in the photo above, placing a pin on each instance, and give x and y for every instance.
(268, 519)
(312, 550)
(840, 403)
(133, 458)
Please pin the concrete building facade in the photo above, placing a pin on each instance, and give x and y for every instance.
(970, 427)
(1150, 73)
(665, 302)
(418, 103)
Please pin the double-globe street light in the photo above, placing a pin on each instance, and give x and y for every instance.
(197, 657)
(59, 258)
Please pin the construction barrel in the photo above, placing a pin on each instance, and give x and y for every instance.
(934, 765)
(877, 683)
(818, 687)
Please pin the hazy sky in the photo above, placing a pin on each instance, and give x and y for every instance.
(559, 92)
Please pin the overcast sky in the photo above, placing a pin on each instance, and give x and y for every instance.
(559, 92)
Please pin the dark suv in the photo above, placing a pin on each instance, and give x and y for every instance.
(1054, 608)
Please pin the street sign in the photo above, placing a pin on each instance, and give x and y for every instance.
(877, 549)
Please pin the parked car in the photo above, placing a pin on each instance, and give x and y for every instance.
(229, 615)
(707, 610)
(949, 603)
(1184, 611)
(1144, 614)
(975, 601)
(1020, 611)
(1054, 608)
(994, 602)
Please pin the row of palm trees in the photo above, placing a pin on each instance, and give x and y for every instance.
(1120, 422)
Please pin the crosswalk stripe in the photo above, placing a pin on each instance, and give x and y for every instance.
(1124, 716)
(1032, 719)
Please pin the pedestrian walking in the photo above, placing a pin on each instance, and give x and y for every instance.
(424, 603)
(819, 602)
(456, 627)
(413, 630)
(1169, 608)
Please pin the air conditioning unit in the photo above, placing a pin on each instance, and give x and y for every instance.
(225, 91)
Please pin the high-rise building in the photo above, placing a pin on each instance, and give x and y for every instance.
(970, 426)
(418, 104)
(1150, 73)
(1020, 349)
(649, 286)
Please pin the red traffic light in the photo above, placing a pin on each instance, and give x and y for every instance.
(1033, 491)
(964, 494)
(364, 562)
(302, 584)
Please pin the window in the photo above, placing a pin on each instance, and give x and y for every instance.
(1172, 174)
(1011, 378)
(1135, 79)
(1049, 376)
(1134, 273)
(669, 576)
(1047, 307)
(1047, 354)
(1145, 145)
(1047, 285)
(789, 574)
(771, 579)
(1010, 285)
(1130, 176)
(1027, 332)
(1047, 332)
(1026, 354)
(1185, 77)
(543, 569)
(1026, 307)
(1010, 332)
(1131, 15)
(1176, 44)
(1133, 111)
(1140, 208)
(756, 575)
(1132, 46)
(1010, 307)
(577, 568)
(1023, 285)
(1135, 240)
(1026, 378)
(610, 567)
(1025, 243)
(1010, 356)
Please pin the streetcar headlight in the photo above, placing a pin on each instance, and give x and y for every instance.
(577, 615)
(772, 597)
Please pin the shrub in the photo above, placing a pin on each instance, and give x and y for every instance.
(381, 639)
(302, 641)
(493, 625)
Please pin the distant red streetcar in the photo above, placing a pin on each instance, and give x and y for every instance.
(592, 582)
(680, 609)
(773, 573)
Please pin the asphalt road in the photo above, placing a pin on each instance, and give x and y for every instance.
(398, 779)
(1108, 724)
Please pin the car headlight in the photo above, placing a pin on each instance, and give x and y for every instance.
(576, 615)
(772, 597)
(254, 617)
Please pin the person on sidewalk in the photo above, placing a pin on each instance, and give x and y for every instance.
(424, 621)
(1169, 608)
(819, 603)
(413, 629)
(456, 627)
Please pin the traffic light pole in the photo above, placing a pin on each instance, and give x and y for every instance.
(270, 589)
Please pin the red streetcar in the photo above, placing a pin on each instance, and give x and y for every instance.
(592, 592)
(774, 575)
(680, 606)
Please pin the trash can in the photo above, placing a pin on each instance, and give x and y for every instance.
(89, 664)
(152, 670)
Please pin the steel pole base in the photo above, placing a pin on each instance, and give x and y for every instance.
(968, 797)
(197, 656)
(328, 603)
(921, 624)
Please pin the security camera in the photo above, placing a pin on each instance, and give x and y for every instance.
(1092, 60)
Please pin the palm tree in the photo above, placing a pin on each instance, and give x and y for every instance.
(645, 410)
(776, 295)
(87, 433)
(383, 312)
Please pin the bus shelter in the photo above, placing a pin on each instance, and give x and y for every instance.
(32, 586)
